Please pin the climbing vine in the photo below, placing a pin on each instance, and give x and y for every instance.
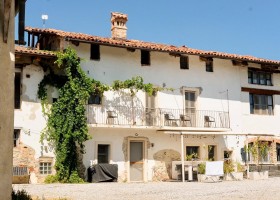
(135, 84)
(66, 126)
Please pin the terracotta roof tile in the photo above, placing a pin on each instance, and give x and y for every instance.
(32, 51)
(148, 45)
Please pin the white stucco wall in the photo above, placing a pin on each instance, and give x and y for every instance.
(29, 118)
(120, 64)
(115, 138)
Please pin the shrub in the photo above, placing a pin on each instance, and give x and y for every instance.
(20, 195)
(240, 168)
(201, 168)
(228, 166)
(74, 178)
(51, 179)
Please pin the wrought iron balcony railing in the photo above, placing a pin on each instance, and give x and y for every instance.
(158, 117)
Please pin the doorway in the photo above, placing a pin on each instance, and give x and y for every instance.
(136, 160)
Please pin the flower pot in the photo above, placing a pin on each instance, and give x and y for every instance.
(233, 176)
(201, 177)
(258, 175)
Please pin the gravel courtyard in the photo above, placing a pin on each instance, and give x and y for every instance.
(246, 189)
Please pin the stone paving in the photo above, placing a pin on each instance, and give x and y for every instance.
(246, 189)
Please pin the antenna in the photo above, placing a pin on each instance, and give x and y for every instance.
(44, 18)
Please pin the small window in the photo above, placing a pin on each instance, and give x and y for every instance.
(211, 152)
(16, 137)
(261, 104)
(209, 65)
(193, 152)
(17, 90)
(94, 99)
(259, 77)
(184, 62)
(95, 52)
(103, 153)
(145, 57)
(45, 168)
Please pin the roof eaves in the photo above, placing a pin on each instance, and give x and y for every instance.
(148, 46)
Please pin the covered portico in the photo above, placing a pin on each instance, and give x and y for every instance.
(209, 132)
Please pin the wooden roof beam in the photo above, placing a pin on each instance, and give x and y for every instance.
(239, 63)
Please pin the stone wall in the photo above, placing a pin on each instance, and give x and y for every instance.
(163, 165)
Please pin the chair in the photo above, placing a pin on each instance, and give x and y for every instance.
(185, 119)
(208, 120)
(111, 116)
(169, 120)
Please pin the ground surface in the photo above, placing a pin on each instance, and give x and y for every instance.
(246, 189)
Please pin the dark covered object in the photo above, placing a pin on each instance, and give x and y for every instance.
(103, 172)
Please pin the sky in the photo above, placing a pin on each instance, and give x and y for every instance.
(244, 27)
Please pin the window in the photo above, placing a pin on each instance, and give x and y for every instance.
(184, 62)
(261, 104)
(145, 57)
(259, 157)
(45, 168)
(211, 152)
(192, 151)
(259, 77)
(95, 52)
(94, 99)
(103, 153)
(17, 90)
(209, 65)
(16, 137)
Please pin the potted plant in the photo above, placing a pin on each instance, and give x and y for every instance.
(191, 157)
(229, 172)
(259, 150)
(201, 177)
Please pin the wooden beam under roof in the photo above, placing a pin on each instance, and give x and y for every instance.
(239, 63)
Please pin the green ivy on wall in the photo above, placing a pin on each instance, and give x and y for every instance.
(66, 126)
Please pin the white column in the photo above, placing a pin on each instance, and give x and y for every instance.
(247, 157)
(182, 157)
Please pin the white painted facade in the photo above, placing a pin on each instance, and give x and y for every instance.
(211, 90)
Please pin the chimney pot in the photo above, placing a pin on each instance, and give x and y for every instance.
(118, 28)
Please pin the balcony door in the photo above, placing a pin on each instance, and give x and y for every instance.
(136, 160)
(150, 110)
(190, 106)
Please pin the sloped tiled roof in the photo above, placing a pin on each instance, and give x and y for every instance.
(32, 51)
(148, 45)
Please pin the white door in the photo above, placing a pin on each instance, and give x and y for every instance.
(136, 161)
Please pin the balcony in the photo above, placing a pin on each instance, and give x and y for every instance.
(156, 118)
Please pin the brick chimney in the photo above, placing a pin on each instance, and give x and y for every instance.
(118, 28)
